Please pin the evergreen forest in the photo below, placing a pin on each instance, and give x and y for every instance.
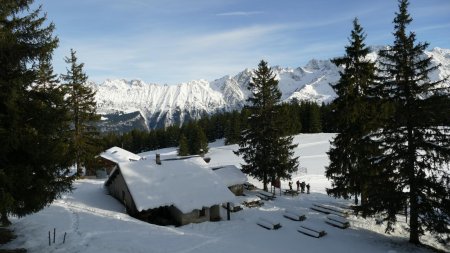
(299, 117)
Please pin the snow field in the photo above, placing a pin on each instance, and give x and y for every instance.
(96, 222)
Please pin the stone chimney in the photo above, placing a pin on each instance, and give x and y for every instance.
(158, 159)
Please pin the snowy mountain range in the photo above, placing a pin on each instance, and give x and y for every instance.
(127, 105)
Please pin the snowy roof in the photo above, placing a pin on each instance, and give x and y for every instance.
(231, 175)
(187, 184)
(119, 155)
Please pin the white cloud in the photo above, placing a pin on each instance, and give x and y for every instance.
(237, 37)
(172, 58)
(432, 27)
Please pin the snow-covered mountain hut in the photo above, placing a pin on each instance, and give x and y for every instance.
(167, 192)
(110, 158)
(232, 177)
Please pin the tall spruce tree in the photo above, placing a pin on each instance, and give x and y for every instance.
(415, 139)
(198, 143)
(352, 114)
(183, 148)
(314, 123)
(310, 117)
(33, 123)
(289, 112)
(82, 106)
(233, 128)
(268, 154)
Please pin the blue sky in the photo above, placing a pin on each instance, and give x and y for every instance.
(173, 41)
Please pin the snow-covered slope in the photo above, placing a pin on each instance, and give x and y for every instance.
(158, 105)
(440, 56)
(153, 105)
(90, 220)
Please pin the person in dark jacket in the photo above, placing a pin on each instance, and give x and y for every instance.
(307, 188)
(302, 186)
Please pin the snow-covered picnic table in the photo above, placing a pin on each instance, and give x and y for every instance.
(311, 229)
(337, 221)
(290, 192)
(328, 209)
(268, 223)
(294, 215)
(250, 201)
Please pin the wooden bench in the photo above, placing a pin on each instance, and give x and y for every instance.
(329, 210)
(290, 192)
(263, 197)
(6, 235)
(252, 201)
(344, 206)
(253, 204)
(249, 186)
(312, 230)
(268, 195)
(294, 215)
(337, 221)
(233, 207)
(268, 224)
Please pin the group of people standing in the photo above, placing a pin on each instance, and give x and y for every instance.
(300, 186)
